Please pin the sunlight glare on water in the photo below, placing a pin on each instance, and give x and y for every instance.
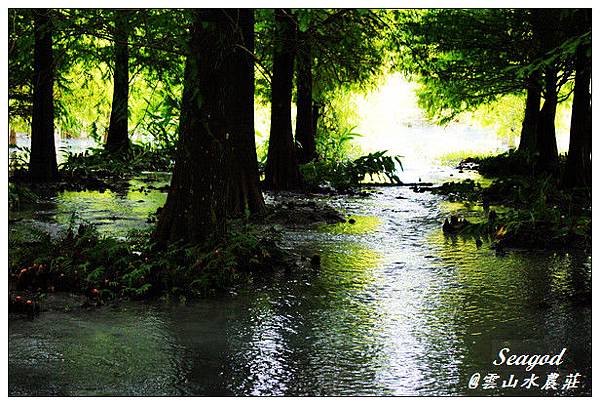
(396, 308)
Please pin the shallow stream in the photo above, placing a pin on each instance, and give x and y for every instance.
(396, 308)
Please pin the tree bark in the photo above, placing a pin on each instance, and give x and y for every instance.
(578, 171)
(305, 135)
(195, 210)
(546, 137)
(282, 172)
(545, 23)
(528, 140)
(118, 138)
(244, 194)
(42, 160)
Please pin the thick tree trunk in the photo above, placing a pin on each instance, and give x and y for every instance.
(282, 172)
(546, 137)
(244, 194)
(118, 138)
(42, 161)
(578, 171)
(195, 210)
(305, 135)
(528, 140)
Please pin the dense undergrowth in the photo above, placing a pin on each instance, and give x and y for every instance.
(342, 174)
(102, 163)
(98, 168)
(519, 208)
(106, 268)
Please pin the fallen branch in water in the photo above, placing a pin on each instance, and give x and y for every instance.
(395, 184)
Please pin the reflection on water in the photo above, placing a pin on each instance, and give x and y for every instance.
(113, 212)
(355, 225)
(396, 308)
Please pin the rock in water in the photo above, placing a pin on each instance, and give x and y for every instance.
(454, 225)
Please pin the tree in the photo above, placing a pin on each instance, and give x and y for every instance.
(282, 172)
(464, 58)
(42, 163)
(502, 52)
(244, 194)
(545, 23)
(578, 170)
(305, 128)
(20, 69)
(118, 138)
(528, 141)
(195, 209)
(336, 49)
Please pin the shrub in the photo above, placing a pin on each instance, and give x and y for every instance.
(346, 173)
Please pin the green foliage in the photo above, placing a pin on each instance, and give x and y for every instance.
(98, 162)
(466, 58)
(83, 46)
(336, 145)
(81, 260)
(510, 163)
(344, 174)
(18, 195)
(453, 159)
(462, 57)
(530, 211)
(466, 190)
(18, 160)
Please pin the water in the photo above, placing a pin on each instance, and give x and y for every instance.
(395, 309)
(62, 145)
(113, 212)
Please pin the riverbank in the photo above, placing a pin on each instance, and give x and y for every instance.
(103, 269)
(517, 209)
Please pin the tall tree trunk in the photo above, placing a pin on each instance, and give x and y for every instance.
(305, 136)
(118, 138)
(528, 140)
(546, 137)
(545, 23)
(42, 160)
(316, 112)
(195, 210)
(578, 171)
(244, 194)
(282, 172)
